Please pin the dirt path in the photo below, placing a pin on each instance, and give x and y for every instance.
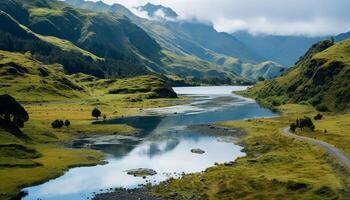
(332, 150)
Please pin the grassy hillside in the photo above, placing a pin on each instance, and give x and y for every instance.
(56, 33)
(320, 78)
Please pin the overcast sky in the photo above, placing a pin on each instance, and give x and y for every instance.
(283, 17)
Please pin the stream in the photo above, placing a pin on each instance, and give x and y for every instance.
(164, 145)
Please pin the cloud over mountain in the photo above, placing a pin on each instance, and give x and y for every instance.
(284, 17)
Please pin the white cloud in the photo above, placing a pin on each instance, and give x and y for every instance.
(308, 17)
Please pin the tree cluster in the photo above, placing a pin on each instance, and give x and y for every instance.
(60, 123)
(12, 114)
(302, 123)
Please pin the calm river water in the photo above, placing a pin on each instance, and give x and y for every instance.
(164, 145)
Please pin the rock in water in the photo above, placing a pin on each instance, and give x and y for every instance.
(141, 172)
(197, 151)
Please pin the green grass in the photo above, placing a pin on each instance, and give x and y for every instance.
(66, 45)
(274, 168)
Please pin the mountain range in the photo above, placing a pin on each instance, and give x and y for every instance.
(111, 41)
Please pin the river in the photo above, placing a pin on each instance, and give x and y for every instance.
(164, 145)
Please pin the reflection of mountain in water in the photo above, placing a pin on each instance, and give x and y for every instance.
(145, 123)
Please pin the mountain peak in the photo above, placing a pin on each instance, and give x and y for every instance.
(158, 11)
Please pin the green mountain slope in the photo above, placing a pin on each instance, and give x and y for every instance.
(321, 78)
(48, 49)
(30, 80)
(191, 49)
(125, 48)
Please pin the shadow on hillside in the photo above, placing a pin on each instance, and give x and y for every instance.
(14, 131)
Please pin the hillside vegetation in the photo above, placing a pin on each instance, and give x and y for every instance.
(320, 78)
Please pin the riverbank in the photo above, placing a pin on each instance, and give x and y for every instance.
(276, 167)
(39, 153)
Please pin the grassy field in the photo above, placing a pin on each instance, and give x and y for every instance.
(40, 153)
(276, 167)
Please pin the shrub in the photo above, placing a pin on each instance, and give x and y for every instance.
(96, 113)
(67, 123)
(306, 122)
(11, 112)
(318, 116)
(293, 127)
(57, 124)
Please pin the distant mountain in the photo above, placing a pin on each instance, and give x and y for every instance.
(158, 11)
(285, 50)
(321, 78)
(342, 36)
(192, 49)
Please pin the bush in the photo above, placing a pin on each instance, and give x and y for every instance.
(11, 112)
(96, 113)
(67, 123)
(57, 124)
(293, 127)
(306, 122)
(318, 117)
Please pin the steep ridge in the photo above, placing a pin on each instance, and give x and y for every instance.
(320, 78)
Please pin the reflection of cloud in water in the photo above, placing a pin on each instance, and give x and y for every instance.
(89, 179)
(156, 148)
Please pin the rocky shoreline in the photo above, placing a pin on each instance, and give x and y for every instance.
(126, 194)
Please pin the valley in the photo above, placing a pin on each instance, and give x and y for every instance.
(102, 100)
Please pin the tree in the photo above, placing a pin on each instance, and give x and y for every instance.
(293, 127)
(96, 113)
(57, 124)
(104, 117)
(11, 112)
(318, 117)
(305, 122)
(67, 123)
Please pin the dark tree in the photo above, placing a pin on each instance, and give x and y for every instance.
(11, 112)
(293, 127)
(318, 117)
(96, 113)
(305, 122)
(67, 123)
(57, 124)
